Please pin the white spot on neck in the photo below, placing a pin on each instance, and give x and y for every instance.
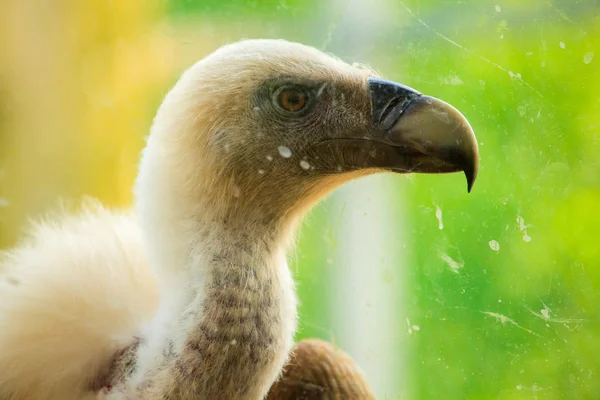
(284, 151)
(305, 165)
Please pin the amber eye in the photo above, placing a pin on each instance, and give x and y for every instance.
(291, 99)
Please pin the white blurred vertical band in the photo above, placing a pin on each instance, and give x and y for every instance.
(369, 260)
(368, 315)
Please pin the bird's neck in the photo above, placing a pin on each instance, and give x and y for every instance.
(228, 308)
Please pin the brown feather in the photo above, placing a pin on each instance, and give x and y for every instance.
(319, 371)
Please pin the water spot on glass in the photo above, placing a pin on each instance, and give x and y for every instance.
(236, 191)
(494, 245)
(256, 109)
(387, 275)
(438, 216)
(233, 342)
(562, 45)
(523, 228)
(330, 261)
(339, 168)
(455, 266)
(497, 8)
(412, 328)
(451, 80)
(226, 147)
(261, 171)
(284, 151)
(545, 313)
(12, 281)
(321, 89)
(269, 158)
(4, 202)
(588, 57)
(305, 165)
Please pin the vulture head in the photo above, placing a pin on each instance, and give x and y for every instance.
(245, 143)
(261, 129)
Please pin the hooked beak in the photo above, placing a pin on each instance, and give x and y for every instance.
(420, 133)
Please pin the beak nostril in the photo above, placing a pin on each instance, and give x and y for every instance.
(383, 94)
(393, 111)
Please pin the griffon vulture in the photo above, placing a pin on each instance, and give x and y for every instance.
(188, 295)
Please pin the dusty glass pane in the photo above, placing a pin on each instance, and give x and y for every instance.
(436, 293)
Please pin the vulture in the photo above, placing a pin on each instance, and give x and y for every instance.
(188, 295)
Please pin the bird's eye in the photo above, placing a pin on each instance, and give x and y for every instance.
(291, 99)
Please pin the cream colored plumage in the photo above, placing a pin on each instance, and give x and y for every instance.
(193, 281)
(75, 291)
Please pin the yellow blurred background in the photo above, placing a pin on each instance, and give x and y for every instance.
(81, 82)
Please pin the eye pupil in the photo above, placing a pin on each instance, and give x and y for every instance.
(292, 100)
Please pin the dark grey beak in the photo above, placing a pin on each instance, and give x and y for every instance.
(424, 134)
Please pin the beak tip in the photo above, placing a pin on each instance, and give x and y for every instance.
(471, 175)
(469, 185)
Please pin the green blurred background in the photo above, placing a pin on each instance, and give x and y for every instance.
(491, 295)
